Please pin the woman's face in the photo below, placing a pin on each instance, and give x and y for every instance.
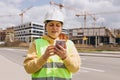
(53, 28)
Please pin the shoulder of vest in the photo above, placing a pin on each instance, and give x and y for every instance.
(38, 39)
(41, 41)
(40, 45)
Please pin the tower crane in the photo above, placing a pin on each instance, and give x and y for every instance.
(57, 4)
(93, 15)
(74, 9)
(23, 12)
(61, 5)
(85, 17)
(85, 14)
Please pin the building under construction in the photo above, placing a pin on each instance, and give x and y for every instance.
(92, 36)
(117, 33)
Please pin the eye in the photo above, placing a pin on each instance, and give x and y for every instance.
(58, 25)
(51, 25)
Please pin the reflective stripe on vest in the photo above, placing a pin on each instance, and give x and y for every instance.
(54, 69)
(56, 65)
(50, 78)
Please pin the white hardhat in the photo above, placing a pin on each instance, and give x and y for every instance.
(54, 14)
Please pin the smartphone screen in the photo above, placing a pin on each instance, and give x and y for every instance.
(61, 42)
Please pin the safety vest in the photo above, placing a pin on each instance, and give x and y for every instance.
(54, 69)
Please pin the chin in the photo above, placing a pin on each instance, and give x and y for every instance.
(55, 36)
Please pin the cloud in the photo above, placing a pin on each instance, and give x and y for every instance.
(6, 10)
(101, 20)
(109, 10)
(12, 1)
(37, 13)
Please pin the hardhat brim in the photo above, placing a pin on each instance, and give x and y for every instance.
(46, 21)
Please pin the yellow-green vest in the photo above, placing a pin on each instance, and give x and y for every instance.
(54, 69)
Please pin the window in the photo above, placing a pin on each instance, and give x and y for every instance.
(80, 33)
(29, 31)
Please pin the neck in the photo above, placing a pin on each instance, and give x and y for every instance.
(51, 37)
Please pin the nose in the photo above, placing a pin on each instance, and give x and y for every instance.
(54, 27)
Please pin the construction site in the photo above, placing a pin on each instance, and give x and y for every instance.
(85, 38)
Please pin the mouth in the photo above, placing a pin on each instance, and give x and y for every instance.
(54, 32)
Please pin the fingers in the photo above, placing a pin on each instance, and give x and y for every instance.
(60, 47)
(49, 50)
(60, 51)
(52, 50)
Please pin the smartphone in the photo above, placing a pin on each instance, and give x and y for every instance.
(61, 42)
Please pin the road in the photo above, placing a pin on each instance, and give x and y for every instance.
(99, 68)
(11, 64)
(93, 67)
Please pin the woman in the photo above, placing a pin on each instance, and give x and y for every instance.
(47, 60)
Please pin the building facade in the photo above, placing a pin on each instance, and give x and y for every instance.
(28, 32)
(2, 35)
(9, 34)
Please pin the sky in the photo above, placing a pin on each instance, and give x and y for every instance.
(106, 12)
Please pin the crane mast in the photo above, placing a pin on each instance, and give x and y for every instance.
(23, 12)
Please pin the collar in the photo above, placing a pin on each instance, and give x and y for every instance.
(50, 40)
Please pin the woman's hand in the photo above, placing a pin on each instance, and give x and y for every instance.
(49, 52)
(60, 51)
